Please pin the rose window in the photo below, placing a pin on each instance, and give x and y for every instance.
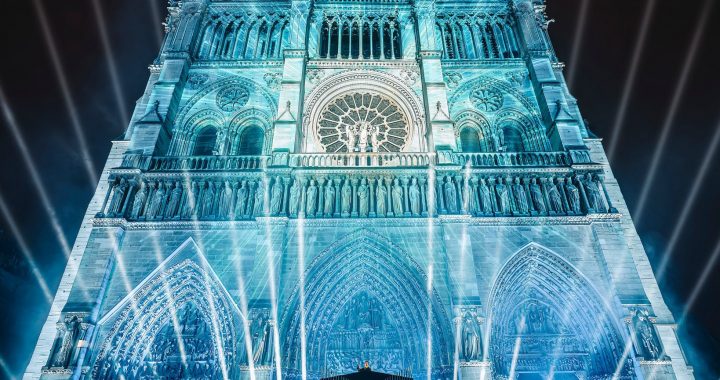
(232, 98)
(362, 122)
(487, 100)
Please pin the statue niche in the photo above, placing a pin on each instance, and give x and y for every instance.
(362, 332)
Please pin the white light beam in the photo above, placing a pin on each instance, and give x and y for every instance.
(577, 43)
(67, 95)
(672, 111)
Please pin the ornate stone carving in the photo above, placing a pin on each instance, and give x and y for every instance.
(452, 79)
(232, 98)
(487, 99)
(360, 122)
(196, 80)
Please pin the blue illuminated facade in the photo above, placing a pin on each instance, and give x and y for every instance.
(307, 185)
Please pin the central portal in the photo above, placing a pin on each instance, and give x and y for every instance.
(364, 332)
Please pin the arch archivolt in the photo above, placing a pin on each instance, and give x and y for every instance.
(364, 81)
(501, 103)
(155, 305)
(229, 103)
(542, 300)
(366, 263)
(477, 122)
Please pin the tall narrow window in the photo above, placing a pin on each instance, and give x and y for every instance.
(512, 139)
(205, 142)
(470, 140)
(251, 141)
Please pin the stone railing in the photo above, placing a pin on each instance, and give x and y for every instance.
(208, 163)
(354, 160)
(366, 194)
(344, 160)
(511, 159)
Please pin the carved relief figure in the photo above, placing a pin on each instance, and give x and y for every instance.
(593, 194)
(645, 333)
(208, 209)
(573, 197)
(174, 203)
(397, 198)
(380, 197)
(277, 194)
(537, 197)
(119, 191)
(470, 335)
(241, 200)
(157, 202)
(225, 201)
(414, 193)
(556, 204)
(329, 199)
(311, 205)
(259, 205)
(139, 201)
(295, 190)
(450, 195)
(503, 197)
(485, 197)
(521, 197)
(346, 198)
(363, 197)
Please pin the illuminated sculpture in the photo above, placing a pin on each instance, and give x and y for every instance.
(309, 185)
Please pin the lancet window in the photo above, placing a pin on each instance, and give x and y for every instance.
(251, 141)
(244, 36)
(476, 36)
(205, 142)
(470, 140)
(360, 37)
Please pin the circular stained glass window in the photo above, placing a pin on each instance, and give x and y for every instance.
(232, 98)
(362, 122)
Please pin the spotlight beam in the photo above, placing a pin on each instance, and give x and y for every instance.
(67, 95)
(577, 43)
(22, 244)
(155, 13)
(672, 110)
(112, 68)
(630, 80)
(34, 173)
(690, 202)
(6, 369)
(700, 284)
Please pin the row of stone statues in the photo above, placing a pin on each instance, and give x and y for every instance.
(355, 196)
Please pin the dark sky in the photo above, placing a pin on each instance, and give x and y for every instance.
(30, 84)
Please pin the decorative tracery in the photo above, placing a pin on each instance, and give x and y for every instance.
(360, 36)
(476, 36)
(363, 121)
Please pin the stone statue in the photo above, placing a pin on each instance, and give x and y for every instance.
(593, 194)
(537, 197)
(380, 198)
(311, 205)
(174, 203)
(208, 209)
(397, 198)
(116, 204)
(503, 197)
(259, 205)
(646, 336)
(485, 197)
(277, 195)
(139, 201)
(414, 194)
(556, 204)
(364, 197)
(225, 201)
(329, 199)
(346, 198)
(470, 336)
(520, 197)
(450, 195)
(157, 202)
(294, 202)
(241, 200)
(573, 197)
(68, 330)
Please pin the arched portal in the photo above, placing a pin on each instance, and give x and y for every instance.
(366, 300)
(180, 326)
(547, 321)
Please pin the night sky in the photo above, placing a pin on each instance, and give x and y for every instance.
(34, 94)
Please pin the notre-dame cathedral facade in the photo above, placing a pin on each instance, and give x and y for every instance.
(306, 185)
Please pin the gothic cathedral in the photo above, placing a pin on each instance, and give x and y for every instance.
(306, 185)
